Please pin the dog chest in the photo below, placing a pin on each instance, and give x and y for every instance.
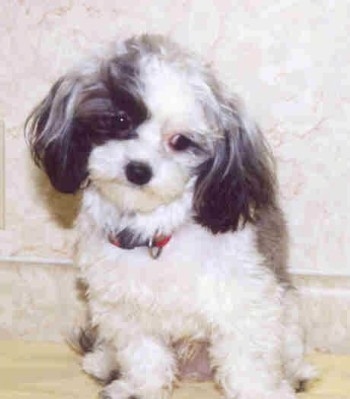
(196, 274)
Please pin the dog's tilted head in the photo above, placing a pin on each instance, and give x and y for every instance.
(148, 124)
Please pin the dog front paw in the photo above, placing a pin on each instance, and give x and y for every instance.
(100, 365)
(285, 391)
(304, 375)
(118, 390)
(123, 390)
(104, 395)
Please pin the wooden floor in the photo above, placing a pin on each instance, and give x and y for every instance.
(34, 370)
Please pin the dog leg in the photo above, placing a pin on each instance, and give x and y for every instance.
(246, 350)
(147, 370)
(247, 373)
(297, 371)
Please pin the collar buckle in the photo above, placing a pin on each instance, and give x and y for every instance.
(154, 250)
(156, 244)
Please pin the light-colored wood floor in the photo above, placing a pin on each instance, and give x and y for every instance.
(33, 370)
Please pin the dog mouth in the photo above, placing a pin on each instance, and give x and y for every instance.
(138, 187)
(129, 197)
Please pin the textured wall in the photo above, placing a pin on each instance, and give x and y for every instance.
(289, 60)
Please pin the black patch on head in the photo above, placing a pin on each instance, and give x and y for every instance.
(233, 184)
(114, 114)
(78, 115)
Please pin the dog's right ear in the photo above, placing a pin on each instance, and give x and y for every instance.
(56, 143)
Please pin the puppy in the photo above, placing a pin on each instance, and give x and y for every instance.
(182, 243)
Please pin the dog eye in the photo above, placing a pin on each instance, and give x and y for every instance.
(122, 121)
(179, 142)
(118, 125)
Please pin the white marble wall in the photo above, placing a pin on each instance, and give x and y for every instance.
(289, 60)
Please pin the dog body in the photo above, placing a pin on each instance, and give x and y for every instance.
(181, 239)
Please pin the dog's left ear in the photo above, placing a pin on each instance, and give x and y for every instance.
(239, 179)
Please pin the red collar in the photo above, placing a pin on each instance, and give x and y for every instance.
(126, 239)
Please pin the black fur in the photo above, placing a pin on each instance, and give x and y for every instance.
(61, 140)
(54, 143)
(234, 184)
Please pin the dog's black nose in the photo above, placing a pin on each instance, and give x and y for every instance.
(138, 173)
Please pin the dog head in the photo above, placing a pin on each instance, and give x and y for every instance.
(148, 124)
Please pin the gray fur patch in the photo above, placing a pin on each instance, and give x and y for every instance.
(272, 242)
(113, 375)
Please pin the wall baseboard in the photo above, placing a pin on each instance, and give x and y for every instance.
(33, 260)
(2, 174)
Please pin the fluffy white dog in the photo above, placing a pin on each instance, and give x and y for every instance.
(181, 239)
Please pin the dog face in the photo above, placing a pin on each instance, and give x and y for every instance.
(161, 147)
(147, 125)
